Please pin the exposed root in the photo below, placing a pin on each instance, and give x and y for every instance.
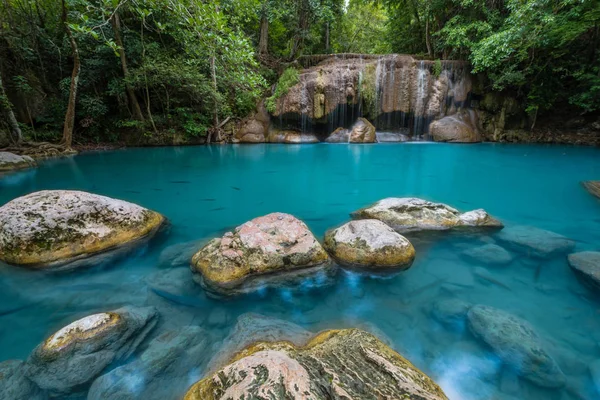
(39, 150)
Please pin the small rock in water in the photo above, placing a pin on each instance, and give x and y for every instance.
(488, 254)
(72, 357)
(161, 371)
(176, 285)
(179, 254)
(451, 312)
(14, 385)
(517, 344)
(535, 242)
(587, 266)
(357, 366)
(369, 244)
(13, 162)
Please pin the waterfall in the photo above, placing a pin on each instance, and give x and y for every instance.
(420, 100)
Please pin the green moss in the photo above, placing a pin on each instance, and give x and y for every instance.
(289, 78)
(437, 68)
(368, 90)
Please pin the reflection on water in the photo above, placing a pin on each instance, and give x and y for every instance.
(206, 190)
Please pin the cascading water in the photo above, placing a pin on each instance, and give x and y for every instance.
(420, 100)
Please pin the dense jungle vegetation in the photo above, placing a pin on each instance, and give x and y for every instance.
(80, 71)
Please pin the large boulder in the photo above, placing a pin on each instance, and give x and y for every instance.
(517, 344)
(458, 128)
(535, 242)
(14, 385)
(593, 187)
(348, 363)
(586, 265)
(412, 214)
(261, 251)
(162, 368)
(74, 356)
(369, 244)
(252, 131)
(13, 162)
(362, 132)
(251, 328)
(56, 228)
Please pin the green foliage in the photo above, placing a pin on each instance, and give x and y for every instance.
(437, 67)
(289, 78)
(362, 29)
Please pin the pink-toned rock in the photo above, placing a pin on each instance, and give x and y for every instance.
(256, 252)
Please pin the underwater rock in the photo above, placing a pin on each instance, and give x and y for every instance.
(179, 254)
(71, 358)
(53, 229)
(340, 135)
(451, 312)
(458, 128)
(264, 251)
(593, 187)
(518, 345)
(488, 254)
(347, 363)
(251, 328)
(14, 385)
(409, 214)
(160, 372)
(595, 373)
(362, 132)
(535, 242)
(369, 244)
(586, 265)
(13, 162)
(176, 285)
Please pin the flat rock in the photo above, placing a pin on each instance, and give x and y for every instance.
(177, 286)
(535, 242)
(74, 356)
(14, 385)
(369, 244)
(52, 229)
(488, 254)
(517, 344)
(451, 312)
(251, 328)
(347, 363)
(264, 251)
(586, 265)
(162, 368)
(410, 214)
(13, 162)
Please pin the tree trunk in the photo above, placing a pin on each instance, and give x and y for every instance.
(263, 43)
(213, 73)
(327, 38)
(6, 108)
(69, 125)
(427, 38)
(133, 101)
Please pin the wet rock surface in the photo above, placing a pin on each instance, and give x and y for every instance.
(14, 385)
(593, 187)
(586, 265)
(517, 344)
(410, 214)
(52, 229)
(369, 244)
(13, 162)
(535, 242)
(362, 132)
(257, 253)
(458, 128)
(347, 363)
(71, 358)
(488, 254)
(162, 370)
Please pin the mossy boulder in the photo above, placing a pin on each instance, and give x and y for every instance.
(13, 162)
(369, 244)
(53, 229)
(264, 251)
(412, 214)
(68, 361)
(347, 363)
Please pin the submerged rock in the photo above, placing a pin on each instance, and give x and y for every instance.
(595, 373)
(55, 228)
(179, 254)
(161, 371)
(535, 242)
(517, 344)
(369, 244)
(458, 128)
(14, 385)
(593, 187)
(451, 312)
(259, 252)
(72, 357)
(251, 328)
(13, 162)
(346, 363)
(176, 285)
(412, 214)
(362, 132)
(488, 254)
(587, 266)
